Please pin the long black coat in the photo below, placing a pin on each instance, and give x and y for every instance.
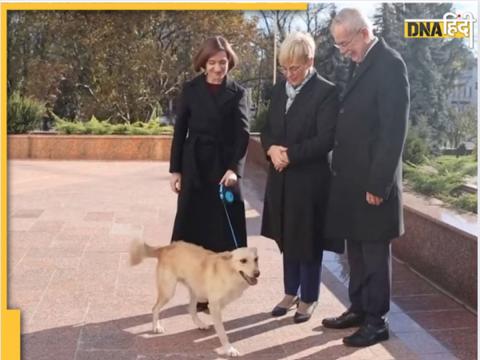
(211, 136)
(295, 199)
(369, 139)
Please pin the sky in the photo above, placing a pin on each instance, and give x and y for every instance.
(368, 7)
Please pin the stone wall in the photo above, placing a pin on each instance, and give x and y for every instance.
(89, 147)
(440, 244)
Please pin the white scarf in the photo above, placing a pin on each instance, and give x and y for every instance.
(292, 92)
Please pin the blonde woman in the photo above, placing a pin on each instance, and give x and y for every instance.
(297, 137)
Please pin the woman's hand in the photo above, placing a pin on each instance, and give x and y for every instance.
(278, 155)
(229, 179)
(284, 162)
(176, 182)
(373, 200)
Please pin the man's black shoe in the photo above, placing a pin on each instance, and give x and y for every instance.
(346, 320)
(367, 335)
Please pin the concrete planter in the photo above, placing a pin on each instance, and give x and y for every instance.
(89, 147)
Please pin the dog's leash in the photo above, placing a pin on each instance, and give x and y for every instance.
(226, 196)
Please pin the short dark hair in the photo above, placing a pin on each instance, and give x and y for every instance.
(209, 48)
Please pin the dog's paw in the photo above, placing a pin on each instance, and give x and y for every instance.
(229, 351)
(201, 325)
(158, 329)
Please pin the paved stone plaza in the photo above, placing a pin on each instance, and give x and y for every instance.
(70, 225)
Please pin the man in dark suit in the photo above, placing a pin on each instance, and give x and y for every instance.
(365, 205)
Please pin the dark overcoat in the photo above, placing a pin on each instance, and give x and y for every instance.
(367, 154)
(295, 199)
(210, 136)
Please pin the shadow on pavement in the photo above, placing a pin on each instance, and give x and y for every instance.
(126, 338)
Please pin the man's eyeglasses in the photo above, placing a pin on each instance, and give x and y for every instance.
(290, 69)
(344, 44)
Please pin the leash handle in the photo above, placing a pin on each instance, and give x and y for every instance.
(227, 196)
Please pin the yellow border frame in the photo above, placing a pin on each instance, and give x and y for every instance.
(157, 6)
(10, 327)
(10, 346)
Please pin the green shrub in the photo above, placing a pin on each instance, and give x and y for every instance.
(259, 121)
(441, 177)
(465, 201)
(138, 128)
(119, 129)
(416, 149)
(154, 127)
(96, 127)
(69, 127)
(434, 185)
(23, 114)
(465, 165)
(103, 127)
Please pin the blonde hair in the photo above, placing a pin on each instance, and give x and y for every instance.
(296, 46)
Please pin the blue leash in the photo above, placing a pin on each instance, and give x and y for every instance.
(227, 196)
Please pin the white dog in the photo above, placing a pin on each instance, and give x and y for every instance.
(218, 278)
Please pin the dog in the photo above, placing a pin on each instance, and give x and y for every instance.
(218, 278)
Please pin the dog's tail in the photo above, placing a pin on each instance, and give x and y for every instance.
(140, 251)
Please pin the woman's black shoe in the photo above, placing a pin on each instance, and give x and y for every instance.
(306, 314)
(280, 310)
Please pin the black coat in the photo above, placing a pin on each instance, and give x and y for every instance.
(211, 136)
(367, 156)
(295, 199)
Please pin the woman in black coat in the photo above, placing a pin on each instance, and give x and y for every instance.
(297, 138)
(208, 149)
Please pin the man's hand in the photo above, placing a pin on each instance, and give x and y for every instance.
(373, 200)
(229, 179)
(279, 157)
(176, 182)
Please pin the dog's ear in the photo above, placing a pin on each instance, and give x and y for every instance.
(227, 255)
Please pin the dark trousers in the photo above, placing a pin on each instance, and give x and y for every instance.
(369, 286)
(302, 277)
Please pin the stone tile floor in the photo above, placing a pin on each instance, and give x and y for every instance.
(70, 224)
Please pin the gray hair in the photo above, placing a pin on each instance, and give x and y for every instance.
(297, 46)
(352, 19)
